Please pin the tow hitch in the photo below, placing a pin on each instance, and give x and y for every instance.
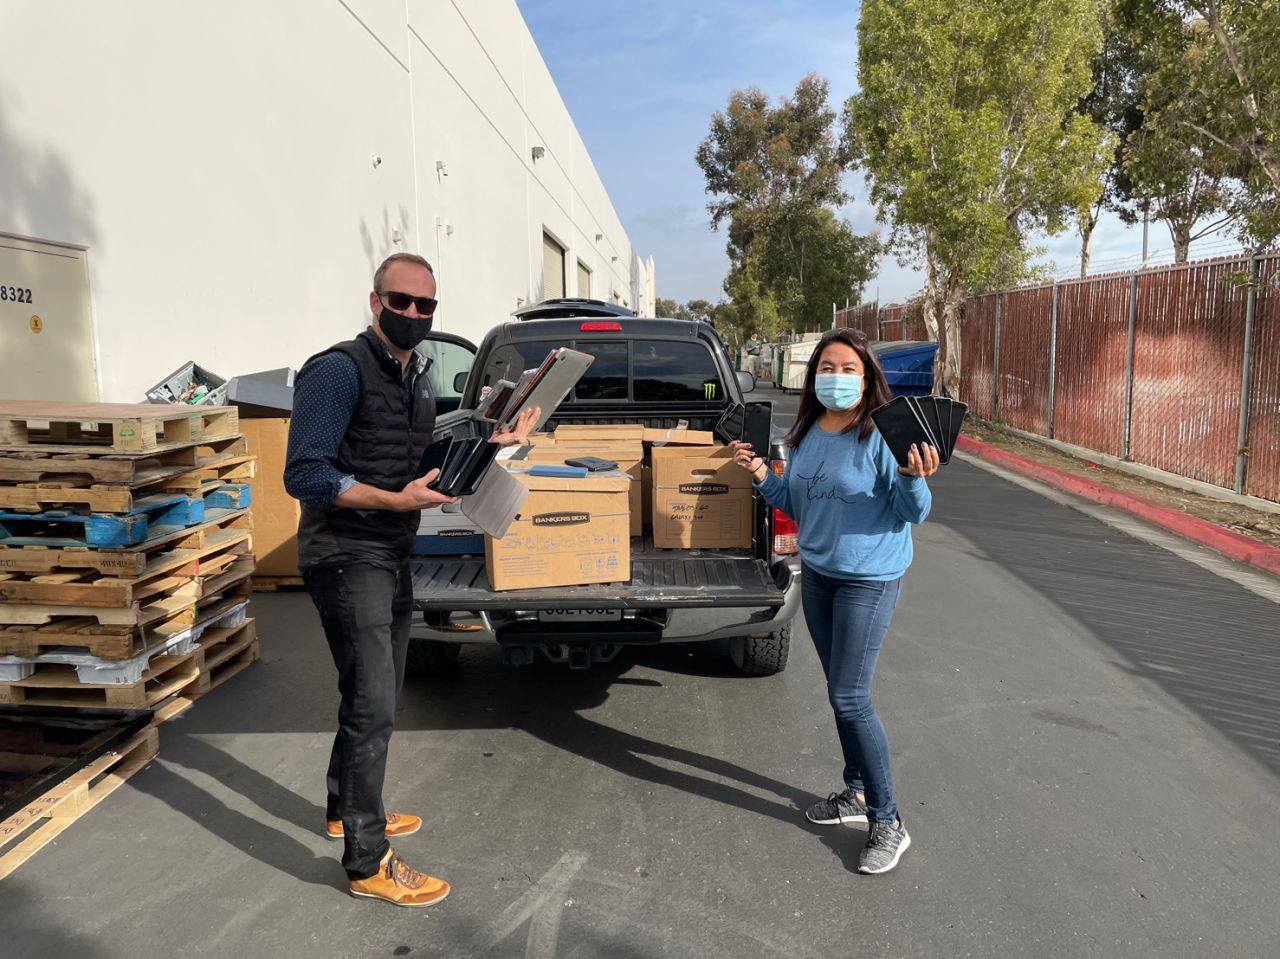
(577, 655)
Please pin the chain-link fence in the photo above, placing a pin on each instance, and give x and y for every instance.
(1176, 367)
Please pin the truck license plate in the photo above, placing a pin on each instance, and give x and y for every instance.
(579, 615)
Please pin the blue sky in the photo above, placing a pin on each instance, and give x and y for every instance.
(641, 82)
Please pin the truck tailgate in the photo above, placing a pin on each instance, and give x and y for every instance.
(660, 579)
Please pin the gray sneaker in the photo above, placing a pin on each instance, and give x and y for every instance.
(837, 808)
(885, 845)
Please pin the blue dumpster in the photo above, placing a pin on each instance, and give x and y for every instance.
(908, 366)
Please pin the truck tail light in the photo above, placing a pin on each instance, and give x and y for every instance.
(601, 326)
(786, 534)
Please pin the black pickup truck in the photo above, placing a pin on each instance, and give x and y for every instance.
(658, 372)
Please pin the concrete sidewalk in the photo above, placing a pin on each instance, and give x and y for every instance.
(1086, 744)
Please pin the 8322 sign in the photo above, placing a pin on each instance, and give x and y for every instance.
(14, 294)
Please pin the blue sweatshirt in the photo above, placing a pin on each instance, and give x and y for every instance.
(852, 505)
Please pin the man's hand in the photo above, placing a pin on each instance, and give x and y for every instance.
(746, 457)
(921, 461)
(417, 496)
(518, 435)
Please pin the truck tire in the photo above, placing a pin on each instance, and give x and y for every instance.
(761, 655)
(429, 658)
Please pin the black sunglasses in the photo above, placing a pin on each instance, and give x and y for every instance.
(400, 302)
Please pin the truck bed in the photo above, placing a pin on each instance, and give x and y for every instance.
(660, 579)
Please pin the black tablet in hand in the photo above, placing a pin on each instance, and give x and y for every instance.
(901, 428)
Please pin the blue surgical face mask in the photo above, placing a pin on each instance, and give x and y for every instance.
(838, 391)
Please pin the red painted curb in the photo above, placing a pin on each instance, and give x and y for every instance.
(1239, 547)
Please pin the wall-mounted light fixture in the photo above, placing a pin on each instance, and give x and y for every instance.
(538, 153)
(376, 160)
(599, 237)
(613, 260)
(442, 168)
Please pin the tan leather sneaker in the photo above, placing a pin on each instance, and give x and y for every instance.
(398, 824)
(399, 885)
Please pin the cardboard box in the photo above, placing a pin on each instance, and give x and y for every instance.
(275, 512)
(594, 432)
(646, 492)
(629, 457)
(445, 531)
(701, 500)
(630, 432)
(679, 436)
(570, 532)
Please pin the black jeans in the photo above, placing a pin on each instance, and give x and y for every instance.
(365, 611)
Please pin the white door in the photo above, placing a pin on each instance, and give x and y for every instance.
(46, 332)
(552, 268)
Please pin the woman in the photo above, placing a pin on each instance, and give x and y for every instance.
(854, 507)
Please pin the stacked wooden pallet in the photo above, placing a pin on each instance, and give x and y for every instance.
(125, 554)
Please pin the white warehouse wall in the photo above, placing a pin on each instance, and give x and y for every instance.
(216, 161)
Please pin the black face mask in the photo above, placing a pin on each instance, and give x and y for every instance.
(404, 332)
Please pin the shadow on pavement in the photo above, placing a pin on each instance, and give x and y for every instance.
(1205, 640)
(247, 832)
(29, 928)
(548, 702)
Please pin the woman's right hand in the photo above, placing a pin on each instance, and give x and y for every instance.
(745, 457)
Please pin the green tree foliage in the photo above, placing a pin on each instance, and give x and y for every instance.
(773, 172)
(1114, 103)
(1214, 101)
(665, 308)
(1186, 177)
(966, 126)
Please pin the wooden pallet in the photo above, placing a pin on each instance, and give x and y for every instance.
(123, 562)
(121, 469)
(226, 653)
(269, 584)
(118, 427)
(186, 593)
(86, 635)
(189, 675)
(163, 576)
(153, 517)
(28, 831)
(220, 486)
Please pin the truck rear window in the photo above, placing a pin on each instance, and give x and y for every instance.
(510, 360)
(606, 377)
(666, 370)
(637, 371)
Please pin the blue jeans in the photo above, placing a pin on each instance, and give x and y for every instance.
(847, 619)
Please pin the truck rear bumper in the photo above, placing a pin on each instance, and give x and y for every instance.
(681, 625)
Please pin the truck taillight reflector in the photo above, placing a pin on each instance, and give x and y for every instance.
(601, 326)
(786, 535)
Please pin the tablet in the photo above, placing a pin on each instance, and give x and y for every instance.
(958, 411)
(900, 427)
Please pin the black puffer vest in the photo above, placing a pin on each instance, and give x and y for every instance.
(382, 447)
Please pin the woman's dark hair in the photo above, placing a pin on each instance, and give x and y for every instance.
(875, 388)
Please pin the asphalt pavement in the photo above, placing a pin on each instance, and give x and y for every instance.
(1086, 744)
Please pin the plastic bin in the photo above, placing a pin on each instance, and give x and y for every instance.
(908, 366)
(176, 388)
(795, 365)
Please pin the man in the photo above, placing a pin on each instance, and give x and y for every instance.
(363, 414)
